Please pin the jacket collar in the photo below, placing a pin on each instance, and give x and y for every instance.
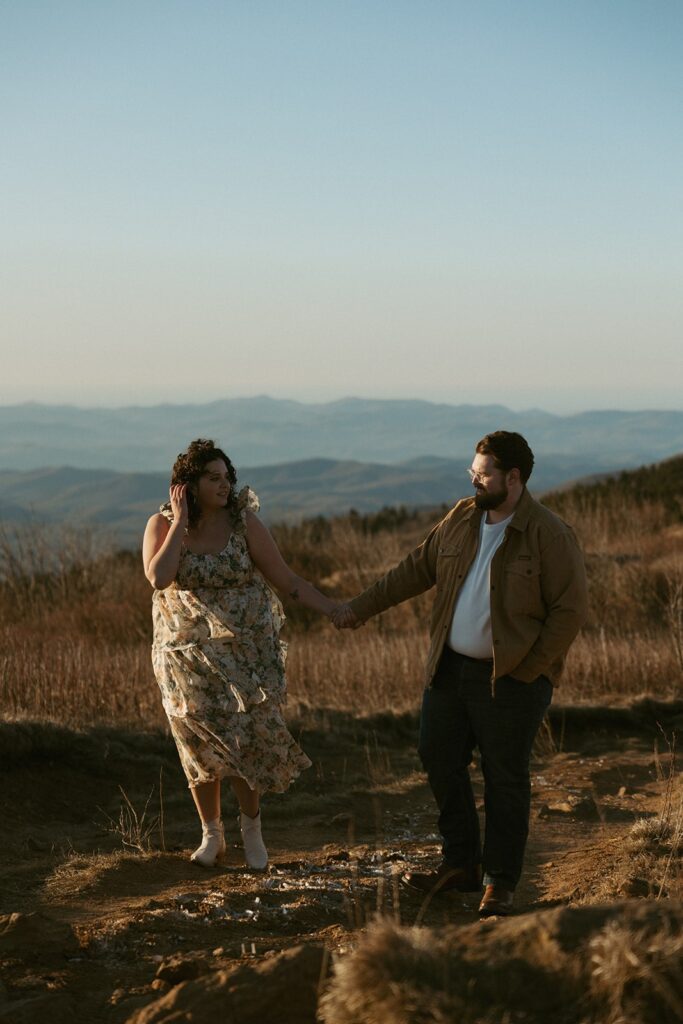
(523, 510)
(519, 520)
(474, 515)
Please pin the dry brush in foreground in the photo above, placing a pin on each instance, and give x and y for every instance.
(619, 964)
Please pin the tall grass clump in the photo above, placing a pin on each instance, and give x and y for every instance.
(75, 630)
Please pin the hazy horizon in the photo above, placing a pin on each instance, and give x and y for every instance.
(512, 406)
(456, 203)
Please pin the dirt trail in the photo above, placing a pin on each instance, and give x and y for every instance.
(339, 841)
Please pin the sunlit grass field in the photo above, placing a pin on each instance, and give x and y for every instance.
(75, 628)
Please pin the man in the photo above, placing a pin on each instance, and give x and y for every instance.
(510, 598)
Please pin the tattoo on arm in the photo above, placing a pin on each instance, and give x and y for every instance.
(294, 594)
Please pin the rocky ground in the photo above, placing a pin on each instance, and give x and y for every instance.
(91, 930)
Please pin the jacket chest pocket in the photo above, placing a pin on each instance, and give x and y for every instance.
(448, 557)
(524, 566)
(523, 583)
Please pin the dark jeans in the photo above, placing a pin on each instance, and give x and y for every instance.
(460, 712)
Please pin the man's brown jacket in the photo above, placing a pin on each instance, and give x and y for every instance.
(538, 587)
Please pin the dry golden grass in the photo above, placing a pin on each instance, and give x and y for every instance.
(632, 969)
(76, 623)
(616, 965)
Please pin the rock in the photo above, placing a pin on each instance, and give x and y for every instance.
(36, 938)
(638, 887)
(282, 988)
(580, 808)
(586, 810)
(340, 856)
(133, 997)
(182, 967)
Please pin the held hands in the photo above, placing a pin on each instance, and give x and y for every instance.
(344, 618)
(178, 493)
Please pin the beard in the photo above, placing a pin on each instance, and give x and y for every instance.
(487, 500)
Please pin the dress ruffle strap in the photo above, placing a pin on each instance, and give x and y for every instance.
(246, 501)
(166, 511)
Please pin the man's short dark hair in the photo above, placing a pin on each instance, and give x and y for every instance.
(509, 451)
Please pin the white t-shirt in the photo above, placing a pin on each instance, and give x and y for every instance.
(470, 632)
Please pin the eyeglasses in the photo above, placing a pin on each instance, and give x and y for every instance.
(477, 476)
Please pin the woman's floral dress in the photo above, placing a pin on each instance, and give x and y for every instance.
(220, 666)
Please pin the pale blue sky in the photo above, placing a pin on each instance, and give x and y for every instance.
(466, 202)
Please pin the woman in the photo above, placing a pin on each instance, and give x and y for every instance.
(217, 655)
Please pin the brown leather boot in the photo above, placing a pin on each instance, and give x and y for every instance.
(496, 902)
(445, 878)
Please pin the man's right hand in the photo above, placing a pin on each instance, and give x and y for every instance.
(344, 617)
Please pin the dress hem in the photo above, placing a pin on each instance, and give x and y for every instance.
(228, 773)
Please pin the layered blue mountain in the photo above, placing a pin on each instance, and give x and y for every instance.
(265, 431)
(109, 468)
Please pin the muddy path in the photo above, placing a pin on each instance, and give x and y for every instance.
(106, 930)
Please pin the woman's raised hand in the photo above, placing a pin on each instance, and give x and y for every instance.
(178, 493)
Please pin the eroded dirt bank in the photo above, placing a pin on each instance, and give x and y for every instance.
(92, 932)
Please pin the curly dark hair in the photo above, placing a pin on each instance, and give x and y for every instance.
(190, 465)
(509, 451)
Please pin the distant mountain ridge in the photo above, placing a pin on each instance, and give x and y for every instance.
(120, 503)
(263, 431)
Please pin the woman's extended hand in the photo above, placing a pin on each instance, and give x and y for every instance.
(178, 493)
(344, 618)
